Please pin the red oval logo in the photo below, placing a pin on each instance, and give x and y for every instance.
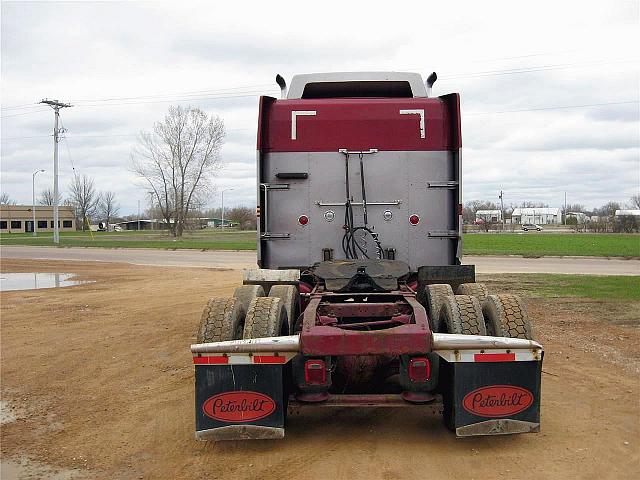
(238, 406)
(497, 401)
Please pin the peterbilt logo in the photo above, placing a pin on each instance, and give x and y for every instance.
(497, 401)
(238, 406)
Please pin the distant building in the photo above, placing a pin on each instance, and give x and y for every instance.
(146, 224)
(540, 216)
(490, 216)
(627, 213)
(19, 218)
(217, 222)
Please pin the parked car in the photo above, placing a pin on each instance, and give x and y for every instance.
(531, 226)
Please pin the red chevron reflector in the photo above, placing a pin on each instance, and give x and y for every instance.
(494, 357)
(219, 360)
(268, 359)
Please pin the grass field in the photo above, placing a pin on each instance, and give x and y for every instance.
(532, 244)
(201, 240)
(528, 244)
(585, 286)
(614, 299)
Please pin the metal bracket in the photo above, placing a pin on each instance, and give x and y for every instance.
(320, 203)
(444, 234)
(274, 236)
(275, 186)
(450, 185)
(358, 152)
(266, 235)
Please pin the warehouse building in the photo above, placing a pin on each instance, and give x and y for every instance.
(490, 216)
(540, 216)
(19, 218)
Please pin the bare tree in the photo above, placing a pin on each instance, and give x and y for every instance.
(245, 217)
(608, 209)
(46, 197)
(5, 199)
(84, 198)
(107, 206)
(634, 202)
(179, 160)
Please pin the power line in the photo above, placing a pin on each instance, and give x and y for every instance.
(73, 167)
(539, 68)
(187, 93)
(109, 135)
(13, 107)
(23, 113)
(248, 95)
(557, 107)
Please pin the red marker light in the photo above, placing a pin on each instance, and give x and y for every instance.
(303, 219)
(419, 369)
(315, 372)
(414, 219)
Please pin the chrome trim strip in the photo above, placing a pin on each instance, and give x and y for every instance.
(450, 341)
(290, 343)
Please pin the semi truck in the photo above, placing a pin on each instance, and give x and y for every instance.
(360, 298)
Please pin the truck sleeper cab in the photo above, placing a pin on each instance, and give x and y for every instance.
(359, 248)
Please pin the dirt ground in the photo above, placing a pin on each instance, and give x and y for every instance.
(97, 382)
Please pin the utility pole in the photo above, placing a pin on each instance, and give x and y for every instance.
(565, 209)
(222, 194)
(56, 105)
(138, 215)
(33, 206)
(502, 208)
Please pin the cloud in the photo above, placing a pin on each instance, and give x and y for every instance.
(146, 56)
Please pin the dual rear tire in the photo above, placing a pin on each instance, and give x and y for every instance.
(249, 314)
(474, 312)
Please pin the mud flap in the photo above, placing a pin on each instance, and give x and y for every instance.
(491, 398)
(240, 402)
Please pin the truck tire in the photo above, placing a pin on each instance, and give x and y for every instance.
(433, 297)
(462, 314)
(246, 293)
(221, 321)
(506, 316)
(478, 290)
(266, 317)
(290, 299)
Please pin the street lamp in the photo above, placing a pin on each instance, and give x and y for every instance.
(33, 207)
(222, 193)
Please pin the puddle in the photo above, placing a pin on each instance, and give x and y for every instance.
(35, 281)
(24, 468)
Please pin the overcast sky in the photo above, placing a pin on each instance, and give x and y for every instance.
(549, 88)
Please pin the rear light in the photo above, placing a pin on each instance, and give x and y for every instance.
(419, 369)
(414, 219)
(303, 219)
(315, 372)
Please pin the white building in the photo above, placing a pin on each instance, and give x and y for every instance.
(627, 213)
(540, 216)
(489, 216)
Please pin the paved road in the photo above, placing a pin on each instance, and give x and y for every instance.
(247, 259)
